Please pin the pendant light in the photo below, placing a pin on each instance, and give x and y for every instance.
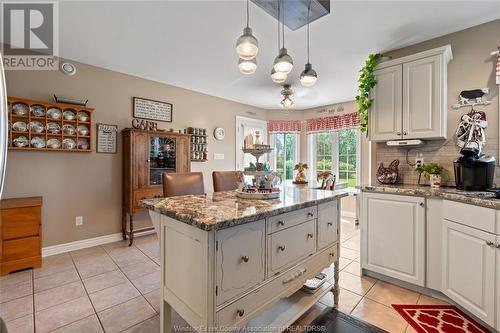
(308, 77)
(247, 67)
(247, 45)
(278, 77)
(283, 63)
(287, 94)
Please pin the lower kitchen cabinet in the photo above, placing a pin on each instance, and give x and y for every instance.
(469, 269)
(498, 281)
(393, 236)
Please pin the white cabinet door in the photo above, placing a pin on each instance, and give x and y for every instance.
(393, 236)
(498, 283)
(469, 269)
(327, 224)
(423, 98)
(386, 110)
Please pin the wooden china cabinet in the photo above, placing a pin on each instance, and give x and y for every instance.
(146, 156)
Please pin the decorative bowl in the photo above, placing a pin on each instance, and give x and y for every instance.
(69, 115)
(38, 142)
(20, 109)
(54, 113)
(53, 128)
(83, 130)
(83, 144)
(36, 126)
(37, 111)
(20, 126)
(21, 141)
(83, 116)
(68, 129)
(54, 143)
(68, 143)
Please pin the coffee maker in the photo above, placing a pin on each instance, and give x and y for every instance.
(474, 173)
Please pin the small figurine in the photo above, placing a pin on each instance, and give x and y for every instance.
(301, 178)
(388, 175)
(472, 96)
(470, 133)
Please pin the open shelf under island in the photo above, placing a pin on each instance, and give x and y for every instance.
(228, 262)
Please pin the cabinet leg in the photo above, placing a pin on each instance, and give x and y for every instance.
(165, 317)
(131, 233)
(124, 225)
(335, 288)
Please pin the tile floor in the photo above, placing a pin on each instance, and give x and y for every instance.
(115, 288)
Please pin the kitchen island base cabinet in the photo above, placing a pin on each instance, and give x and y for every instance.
(393, 236)
(469, 269)
(498, 280)
(222, 279)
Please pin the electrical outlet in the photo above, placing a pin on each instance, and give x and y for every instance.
(419, 161)
(79, 220)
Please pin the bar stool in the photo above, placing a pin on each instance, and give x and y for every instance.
(327, 180)
(226, 180)
(184, 183)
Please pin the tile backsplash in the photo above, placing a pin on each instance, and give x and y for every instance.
(444, 152)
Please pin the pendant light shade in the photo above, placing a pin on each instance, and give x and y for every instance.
(287, 94)
(283, 63)
(247, 45)
(278, 77)
(247, 67)
(308, 76)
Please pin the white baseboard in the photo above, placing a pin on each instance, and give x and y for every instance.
(89, 242)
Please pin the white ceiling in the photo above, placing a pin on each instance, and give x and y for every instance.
(190, 44)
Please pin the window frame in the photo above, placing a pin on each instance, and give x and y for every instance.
(296, 157)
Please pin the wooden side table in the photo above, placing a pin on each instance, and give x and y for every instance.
(20, 234)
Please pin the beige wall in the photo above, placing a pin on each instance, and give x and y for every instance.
(472, 67)
(90, 184)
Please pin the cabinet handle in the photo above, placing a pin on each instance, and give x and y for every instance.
(310, 235)
(330, 224)
(332, 254)
(147, 161)
(490, 243)
(309, 214)
(245, 258)
(405, 133)
(281, 248)
(240, 312)
(421, 204)
(281, 223)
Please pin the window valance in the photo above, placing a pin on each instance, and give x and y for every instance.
(283, 126)
(332, 123)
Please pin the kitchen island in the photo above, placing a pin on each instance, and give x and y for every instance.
(228, 263)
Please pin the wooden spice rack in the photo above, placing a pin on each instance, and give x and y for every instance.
(199, 143)
(45, 134)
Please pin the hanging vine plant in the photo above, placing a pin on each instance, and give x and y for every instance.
(366, 82)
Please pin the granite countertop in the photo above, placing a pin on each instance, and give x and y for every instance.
(221, 210)
(483, 199)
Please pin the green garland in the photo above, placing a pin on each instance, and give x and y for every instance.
(366, 83)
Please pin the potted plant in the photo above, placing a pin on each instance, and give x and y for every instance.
(434, 172)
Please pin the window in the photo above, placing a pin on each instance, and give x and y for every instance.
(285, 154)
(336, 152)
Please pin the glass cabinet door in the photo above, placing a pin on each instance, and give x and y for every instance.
(162, 158)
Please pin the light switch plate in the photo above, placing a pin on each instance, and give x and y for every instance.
(218, 156)
(79, 220)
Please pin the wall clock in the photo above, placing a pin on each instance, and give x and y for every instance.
(219, 133)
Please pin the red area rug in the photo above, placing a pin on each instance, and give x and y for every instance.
(438, 319)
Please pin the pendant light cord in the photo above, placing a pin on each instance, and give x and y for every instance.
(283, 23)
(308, 19)
(248, 15)
(279, 26)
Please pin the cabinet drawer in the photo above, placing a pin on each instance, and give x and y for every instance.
(20, 222)
(145, 194)
(283, 221)
(327, 224)
(240, 259)
(245, 308)
(473, 216)
(21, 248)
(290, 245)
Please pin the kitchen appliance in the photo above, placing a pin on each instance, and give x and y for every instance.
(3, 126)
(474, 174)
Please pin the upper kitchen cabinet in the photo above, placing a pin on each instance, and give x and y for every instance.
(410, 98)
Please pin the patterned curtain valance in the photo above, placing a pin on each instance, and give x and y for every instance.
(283, 126)
(332, 123)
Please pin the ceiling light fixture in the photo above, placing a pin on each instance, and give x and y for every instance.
(247, 45)
(308, 77)
(278, 77)
(287, 94)
(247, 67)
(283, 62)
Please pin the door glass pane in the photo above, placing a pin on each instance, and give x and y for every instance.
(347, 156)
(279, 151)
(324, 152)
(289, 155)
(162, 158)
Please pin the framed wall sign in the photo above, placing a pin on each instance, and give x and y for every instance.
(152, 110)
(106, 138)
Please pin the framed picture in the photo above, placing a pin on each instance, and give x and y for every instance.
(152, 110)
(106, 138)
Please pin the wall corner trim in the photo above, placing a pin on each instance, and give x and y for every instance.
(85, 243)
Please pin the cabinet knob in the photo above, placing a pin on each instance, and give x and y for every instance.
(398, 133)
(309, 214)
(492, 244)
(330, 224)
(281, 248)
(405, 133)
(332, 254)
(240, 312)
(147, 161)
(281, 223)
(245, 258)
(421, 204)
(310, 235)
(498, 246)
